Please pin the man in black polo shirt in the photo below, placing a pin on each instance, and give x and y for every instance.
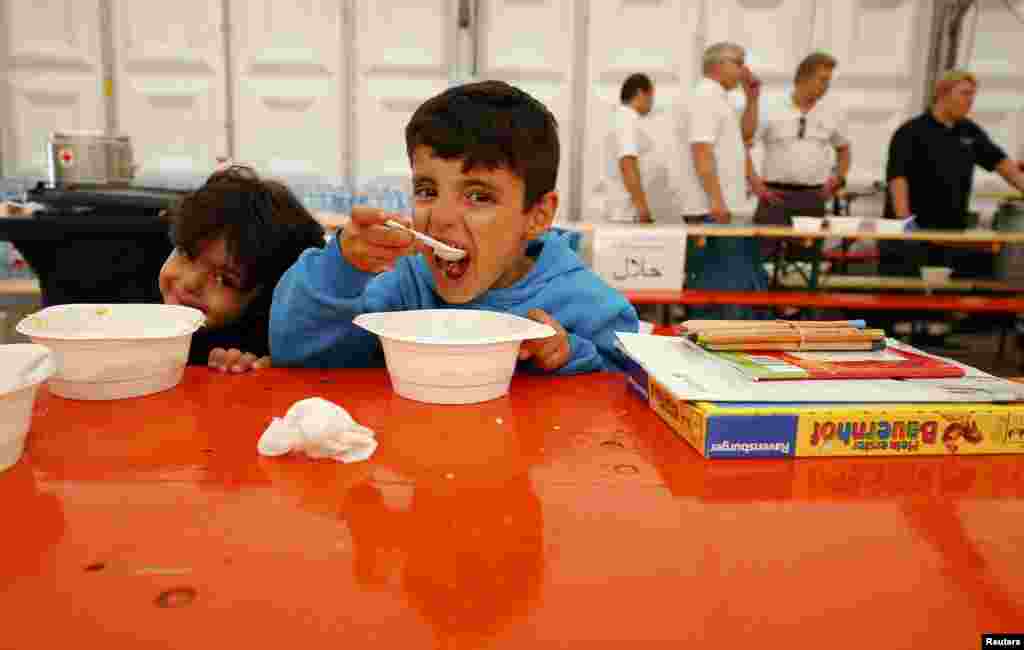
(930, 173)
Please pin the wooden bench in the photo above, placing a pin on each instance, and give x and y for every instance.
(795, 280)
(839, 255)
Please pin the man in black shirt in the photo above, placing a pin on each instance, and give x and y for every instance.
(932, 158)
(930, 173)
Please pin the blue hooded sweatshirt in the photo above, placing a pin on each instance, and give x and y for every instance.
(317, 298)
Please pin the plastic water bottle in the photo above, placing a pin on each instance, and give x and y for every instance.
(310, 198)
(405, 203)
(387, 200)
(324, 196)
(341, 201)
(302, 192)
(376, 197)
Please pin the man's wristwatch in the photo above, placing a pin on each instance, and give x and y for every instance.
(842, 182)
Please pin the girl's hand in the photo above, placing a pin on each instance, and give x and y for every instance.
(236, 361)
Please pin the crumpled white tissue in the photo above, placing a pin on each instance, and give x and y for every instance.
(320, 428)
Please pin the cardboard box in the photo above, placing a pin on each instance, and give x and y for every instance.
(689, 371)
(737, 430)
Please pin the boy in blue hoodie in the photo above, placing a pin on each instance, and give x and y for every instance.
(484, 160)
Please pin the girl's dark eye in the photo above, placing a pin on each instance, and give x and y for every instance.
(423, 193)
(224, 280)
(479, 197)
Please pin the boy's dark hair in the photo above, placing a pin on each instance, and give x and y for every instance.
(633, 85)
(264, 225)
(491, 124)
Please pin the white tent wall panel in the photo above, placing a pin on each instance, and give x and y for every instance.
(50, 53)
(992, 50)
(290, 86)
(324, 87)
(170, 89)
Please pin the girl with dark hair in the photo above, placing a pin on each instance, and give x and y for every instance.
(234, 237)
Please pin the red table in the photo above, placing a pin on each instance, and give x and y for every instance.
(564, 515)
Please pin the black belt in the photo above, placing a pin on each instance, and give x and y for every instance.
(792, 187)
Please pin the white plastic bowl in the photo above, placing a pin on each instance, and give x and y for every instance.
(451, 356)
(114, 351)
(889, 225)
(18, 387)
(807, 224)
(936, 274)
(845, 224)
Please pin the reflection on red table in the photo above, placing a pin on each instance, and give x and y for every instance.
(566, 514)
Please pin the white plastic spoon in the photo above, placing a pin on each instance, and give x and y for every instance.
(443, 250)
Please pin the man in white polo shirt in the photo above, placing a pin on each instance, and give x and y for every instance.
(806, 150)
(621, 195)
(713, 177)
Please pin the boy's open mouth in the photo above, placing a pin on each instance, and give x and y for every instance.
(453, 270)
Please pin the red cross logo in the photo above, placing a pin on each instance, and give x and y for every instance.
(67, 157)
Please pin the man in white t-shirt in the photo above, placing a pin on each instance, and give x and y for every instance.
(806, 149)
(712, 136)
(713, 177)
(621, 196)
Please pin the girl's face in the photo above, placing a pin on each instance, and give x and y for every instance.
(208, 280)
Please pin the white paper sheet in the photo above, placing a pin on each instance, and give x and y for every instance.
(640, 257)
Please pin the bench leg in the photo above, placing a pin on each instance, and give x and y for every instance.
(818, 255)
(1008, 329)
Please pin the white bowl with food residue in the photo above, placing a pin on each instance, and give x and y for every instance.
(451, 356)
(807, 224)
(935, 275)
(889, 226)
(845, 224)
(114, 351)
(23, 367)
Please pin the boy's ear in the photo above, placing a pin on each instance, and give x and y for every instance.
(542, 215)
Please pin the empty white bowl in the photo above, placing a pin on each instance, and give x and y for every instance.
(23, 366)
(845, 224)
(936, 274)
(114, 351)
(807, 224)
(888, 225)
(451, 356)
